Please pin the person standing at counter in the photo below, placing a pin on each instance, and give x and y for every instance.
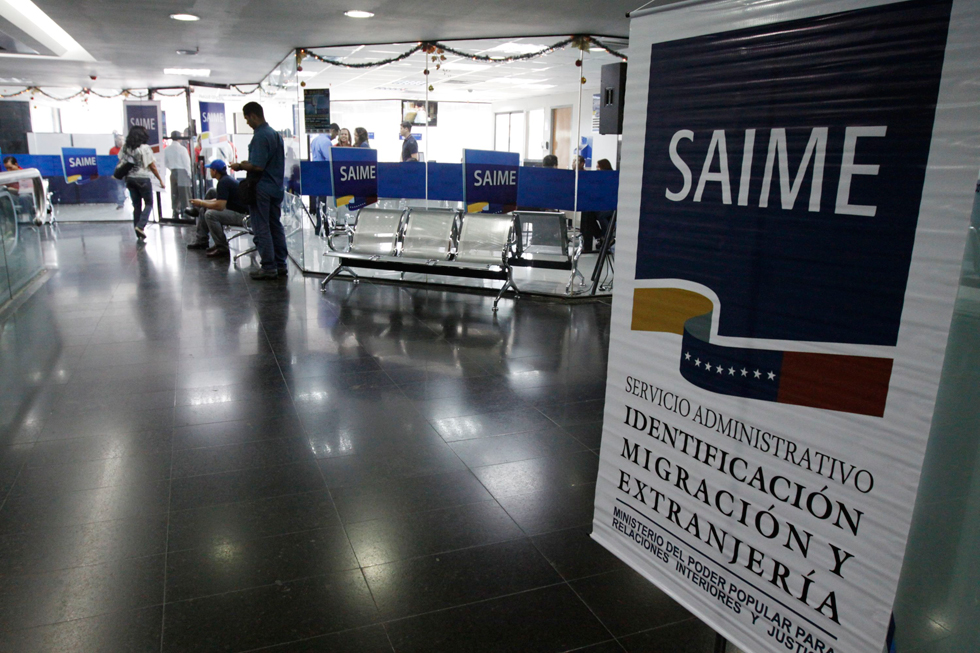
(266, 167)
(361, 138)
(343, 138)
(410, 147)
(320, 151)
(178, 162)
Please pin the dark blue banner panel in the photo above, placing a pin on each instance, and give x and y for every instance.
(543, 188)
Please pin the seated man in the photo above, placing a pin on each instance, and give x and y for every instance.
(225, 209)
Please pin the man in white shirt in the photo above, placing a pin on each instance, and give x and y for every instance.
(178, 162)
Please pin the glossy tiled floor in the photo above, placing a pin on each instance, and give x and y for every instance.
(192, 461)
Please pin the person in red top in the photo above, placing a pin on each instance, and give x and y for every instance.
(119, 184)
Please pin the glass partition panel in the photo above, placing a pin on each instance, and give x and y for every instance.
(21, 240)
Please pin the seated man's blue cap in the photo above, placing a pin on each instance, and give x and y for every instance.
(218, 164)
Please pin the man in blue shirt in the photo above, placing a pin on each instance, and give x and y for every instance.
(320, 151)
(267, 162)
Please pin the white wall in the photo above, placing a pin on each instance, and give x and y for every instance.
(603, 146)
(460, 125)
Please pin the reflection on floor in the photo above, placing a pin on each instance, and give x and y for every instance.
(193, 461)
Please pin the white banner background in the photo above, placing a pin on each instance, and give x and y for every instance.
(890, 447)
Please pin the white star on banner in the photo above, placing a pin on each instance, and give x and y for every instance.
(745, 372)
(687, 356)
(772, 376)
(757, 374)
(707, 366)
(697, 362)
(731, 371)
(719, 369)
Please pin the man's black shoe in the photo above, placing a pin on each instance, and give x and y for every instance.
(263, 275)
(282, 272)
(191, 212)
(203, 245)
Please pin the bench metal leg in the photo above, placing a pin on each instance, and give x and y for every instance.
(245, 253)
(571, 280)
(330, 277)
(507, 284)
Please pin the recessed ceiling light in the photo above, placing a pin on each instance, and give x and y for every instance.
(357, 13)
(185, 17)
(189, 72)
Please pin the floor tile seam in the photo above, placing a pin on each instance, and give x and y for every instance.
(312, 460)
(134, 484)
(310, 639)
(79, 619)
(588, 607)
(477, 602)
(170, 487)
(56, 525)
(253, 540)
(234, 503)
(660, 627)
(20, 471)
(275, 583)
(215, 446)
(418, 513)
(102, 435)
(86, 565)
(588, 646)
(413, 558)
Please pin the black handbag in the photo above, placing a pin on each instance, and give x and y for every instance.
(247, 186)
(123, 168)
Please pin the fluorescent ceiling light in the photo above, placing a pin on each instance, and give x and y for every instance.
(357, 13)
(517, 80)
(189, 72)
(187, 18)
(518, 48)
(28, 17)
(465, 66)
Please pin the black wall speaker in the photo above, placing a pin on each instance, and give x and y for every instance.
(15, 122)
(611, 98)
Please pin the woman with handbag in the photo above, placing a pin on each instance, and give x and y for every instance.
(136, 164)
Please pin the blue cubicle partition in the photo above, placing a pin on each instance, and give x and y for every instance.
(542, 188)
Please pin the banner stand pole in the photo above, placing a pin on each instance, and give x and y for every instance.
(721, 644)
(428, 119)
(578, 131)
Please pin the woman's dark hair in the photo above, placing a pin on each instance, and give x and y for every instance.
(603, 164)
(137, 136)
(10, 159)
(360, 136)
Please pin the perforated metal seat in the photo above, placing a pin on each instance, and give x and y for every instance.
(429, 234)
(545, 240)
(485, 239)
(376, 233)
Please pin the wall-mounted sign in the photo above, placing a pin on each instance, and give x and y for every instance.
(316, 110)
(418, 112)
(79, 163)
(789, 249)
(490, 181)
(354, 171)
(148, 116)
(214, 126)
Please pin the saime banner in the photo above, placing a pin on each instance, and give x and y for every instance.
(354, 172)
(79, 163)
(794, 203)
(145, 114)
(214, 127)
(490, 181)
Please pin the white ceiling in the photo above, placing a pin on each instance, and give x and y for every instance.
(457, 78)
(242, 40)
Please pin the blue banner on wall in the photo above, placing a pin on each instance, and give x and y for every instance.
(214, 128)
(145, 115)
(354, 172)
(79, 163)
(490, 181)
